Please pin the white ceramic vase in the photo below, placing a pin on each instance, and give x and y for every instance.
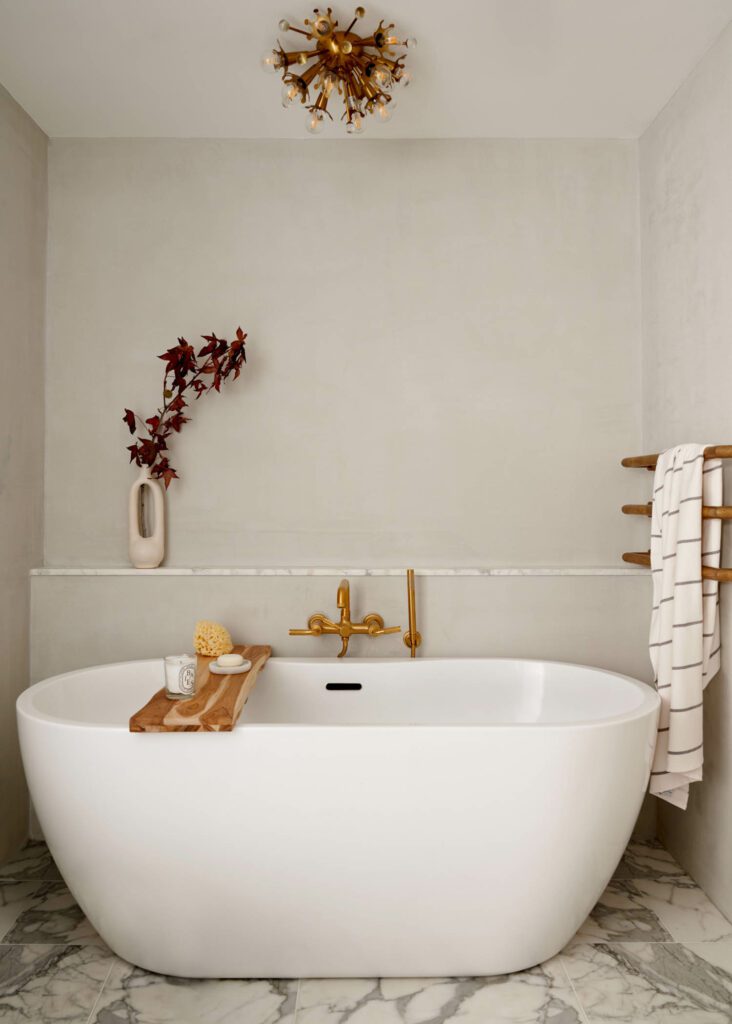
(147, 521)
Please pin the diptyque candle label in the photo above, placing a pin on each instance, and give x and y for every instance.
(180, 675)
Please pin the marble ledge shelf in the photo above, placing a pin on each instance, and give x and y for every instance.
(327, 571)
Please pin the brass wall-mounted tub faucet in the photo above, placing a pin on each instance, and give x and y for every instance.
(320, 625)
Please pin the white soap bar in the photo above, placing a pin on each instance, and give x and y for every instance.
(230, 660)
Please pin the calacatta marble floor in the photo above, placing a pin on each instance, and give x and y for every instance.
(654, 949)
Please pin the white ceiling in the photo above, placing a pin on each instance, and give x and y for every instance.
(496, 68)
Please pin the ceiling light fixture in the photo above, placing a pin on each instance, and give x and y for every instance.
(362, 70)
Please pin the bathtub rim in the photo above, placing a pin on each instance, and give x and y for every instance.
(650, 700)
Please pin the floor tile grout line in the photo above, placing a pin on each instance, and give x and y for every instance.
(580, 1005)
(99, 993)
(297, 1001)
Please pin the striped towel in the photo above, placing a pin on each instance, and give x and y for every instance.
(684, 642)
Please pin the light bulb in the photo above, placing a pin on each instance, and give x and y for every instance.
(382, 78)
(359, 12)
(284, 25)
(405, 79)
(271, 61)
(382, 111)
(410, 43)
(356, 125)
(314, 122)
(290, 93)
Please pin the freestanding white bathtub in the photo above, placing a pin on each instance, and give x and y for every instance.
(445, 817)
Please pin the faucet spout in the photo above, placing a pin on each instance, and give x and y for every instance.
(343, 600)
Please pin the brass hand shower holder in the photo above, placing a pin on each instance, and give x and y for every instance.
(412, 638)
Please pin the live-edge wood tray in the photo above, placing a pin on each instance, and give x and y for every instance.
(216, 705)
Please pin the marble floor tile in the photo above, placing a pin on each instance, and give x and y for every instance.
(33, 861)
(50, 984)
(132, 996)
(52, 915)
(658, 983)
(646, 858)
(654, 910)
(15, 897)
(539, 996)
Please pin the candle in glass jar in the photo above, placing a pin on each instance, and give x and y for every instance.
(180, 676)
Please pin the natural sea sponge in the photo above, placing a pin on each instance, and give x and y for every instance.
(212, 639)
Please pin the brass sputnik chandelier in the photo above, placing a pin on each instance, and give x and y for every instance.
(362, 70)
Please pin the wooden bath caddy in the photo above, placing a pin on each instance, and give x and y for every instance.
(216, 706)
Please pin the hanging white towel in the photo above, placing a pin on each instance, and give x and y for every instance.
(684, 642)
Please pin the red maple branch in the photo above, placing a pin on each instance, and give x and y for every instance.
(185, 371)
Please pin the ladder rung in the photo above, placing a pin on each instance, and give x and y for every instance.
(708, 511)
(708, 573)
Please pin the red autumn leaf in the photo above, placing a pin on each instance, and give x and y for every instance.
(154, 422)
(209, 347)
(171, 357)
(176, 422)
(179, 360)
(129, 419)
(164, 471)
(148, 452)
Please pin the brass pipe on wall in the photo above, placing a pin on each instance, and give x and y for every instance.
(412, 638)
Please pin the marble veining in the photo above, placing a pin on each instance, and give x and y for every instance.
(15, 898)
(653, 949)
(33, 861)
(654, 910)
(51, 915)
(661, 983)
(646, 858)
(51, 984)
(132, 996)
(540, 995)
